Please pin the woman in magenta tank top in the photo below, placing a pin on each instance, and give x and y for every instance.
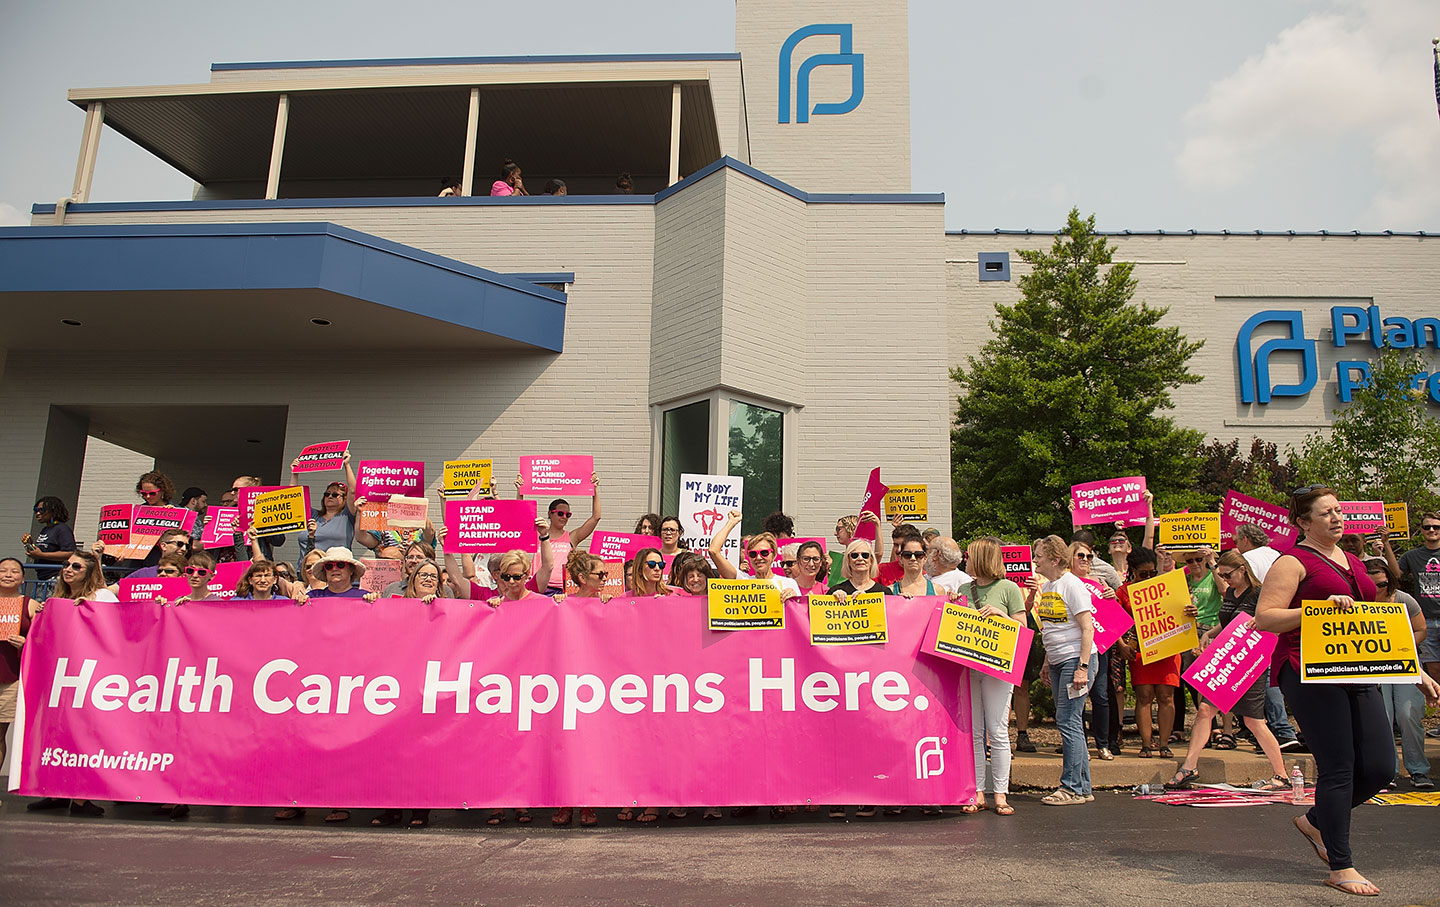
(1344, 724)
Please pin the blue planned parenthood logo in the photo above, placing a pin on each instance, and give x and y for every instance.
(1255, 384)
(845, 57)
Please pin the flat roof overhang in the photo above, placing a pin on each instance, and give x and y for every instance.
(126, 285)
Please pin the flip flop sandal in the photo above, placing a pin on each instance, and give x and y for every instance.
(588, 817)
(1147, 752)
(1345, 887)
(625, 815)
(650, 815)
(522, 816)
(496, 818)
(1006, 810)
(1319, 850)
(1164, 753)
(971, 809)
(338, 815)
(562, 817)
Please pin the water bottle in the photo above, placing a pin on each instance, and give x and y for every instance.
(1297, 785)
(1142, 790)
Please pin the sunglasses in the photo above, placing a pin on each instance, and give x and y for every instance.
(564, 513)
(512, 577)
(654, 565)
(41, 509)
(787, 564)
(859, 555)
(1306, 490)
(148, 494)
(760, 552)
(1146, 574)
(178, 543)
(168, 571)
(1431, 528)
(334, 494)
(333, 565)
(1192, 561)
(912, 555)
(197, 571)
(75, 565)
(597, 574)
(1084, 557)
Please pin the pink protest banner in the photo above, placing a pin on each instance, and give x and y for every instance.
(322, 457)
(261, 703)
(1019, 562)
(1363, 516)
(873, 500)
(114, 527)
(377, 480)
(245, 502)
(225, 578)
(795, 543)
(620, 546)
(149, 520)
(381, 572)
(557, 475)
(998, 646)
(1111, 621)
(1237, 658)
(146, 590)
(1272, 518)
(485, 527)
(221, 527)
(1108, 501)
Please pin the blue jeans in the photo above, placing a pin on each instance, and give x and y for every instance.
(1275, 715)
(1405, 706)
(1100, 703)
(1070, 718)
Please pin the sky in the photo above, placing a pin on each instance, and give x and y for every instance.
(1234, 114)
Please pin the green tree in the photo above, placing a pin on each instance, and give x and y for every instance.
(1261, 476)
(1382, 445)
(757, 454)
(1071, 388)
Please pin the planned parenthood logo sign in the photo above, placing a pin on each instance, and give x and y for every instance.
(801, 78)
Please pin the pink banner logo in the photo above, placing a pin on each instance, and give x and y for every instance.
(487, 527)
(1237, 658)
(1108, 501)
(322, 457)
(620, 546)
(557, 475)
(238, 703)
(1274, 520)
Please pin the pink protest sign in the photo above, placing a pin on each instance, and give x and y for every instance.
(1111, 621)
(225, 578)
(485, 527)
(239, 702)
(1363, 516)
(1019, 562)
(223, 523)
(403, 512)
(1237, 658)
(376, 480)
(795, 543)
(148, 520)
(872, 502)
(620, 546)
(991, 645)
(1108, 501)
(147, 590)
(1273, 519)
(114, 528)
(245, 502)
(381, 572)
(322, 457)
(557, 475)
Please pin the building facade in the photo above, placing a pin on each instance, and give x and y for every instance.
(772, 300)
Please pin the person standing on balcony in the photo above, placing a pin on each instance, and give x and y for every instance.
(509, 182)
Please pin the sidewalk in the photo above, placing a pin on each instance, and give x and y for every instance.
(1239, 766)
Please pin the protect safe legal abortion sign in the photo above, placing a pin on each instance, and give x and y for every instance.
(263, 703)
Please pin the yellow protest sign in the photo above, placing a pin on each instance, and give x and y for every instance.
(1397, 521)
(1370, 643)
(1158, 606)
(857, 622)
(997, 646)
(460, 476)
(745, 604)
(278, 512)
(1190, 530)
(911, 502)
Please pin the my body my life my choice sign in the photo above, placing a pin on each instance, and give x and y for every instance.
(705, 500)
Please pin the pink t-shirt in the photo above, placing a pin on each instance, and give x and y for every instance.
(560, 549)
(500, 187)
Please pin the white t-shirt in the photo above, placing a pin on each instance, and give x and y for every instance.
(1260, 560)
(951, 580)
(1060, 600)
(103, 595)
(783, 583)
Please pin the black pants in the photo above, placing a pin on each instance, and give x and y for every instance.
(1350, 737)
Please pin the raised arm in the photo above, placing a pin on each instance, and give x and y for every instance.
(717, 546)
(547, 554)
(352, 503)
(1149, 537)
(579, 535)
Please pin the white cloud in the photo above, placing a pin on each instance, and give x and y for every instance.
(10, 216)
(1358, 72)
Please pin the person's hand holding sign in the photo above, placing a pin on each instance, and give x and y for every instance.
(1345, 602)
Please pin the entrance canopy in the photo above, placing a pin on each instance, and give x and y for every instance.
(296, 285)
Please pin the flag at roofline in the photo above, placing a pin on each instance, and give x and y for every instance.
(1435, 52)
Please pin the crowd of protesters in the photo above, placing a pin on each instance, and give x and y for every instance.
(1346, 727)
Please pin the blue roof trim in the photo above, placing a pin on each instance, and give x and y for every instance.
(545, 277)
(1335, 233)
(824, 198)
(467, 61)
(322, 256)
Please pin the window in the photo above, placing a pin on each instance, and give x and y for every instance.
(994, 265)
(757, 452)
(684, 447)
